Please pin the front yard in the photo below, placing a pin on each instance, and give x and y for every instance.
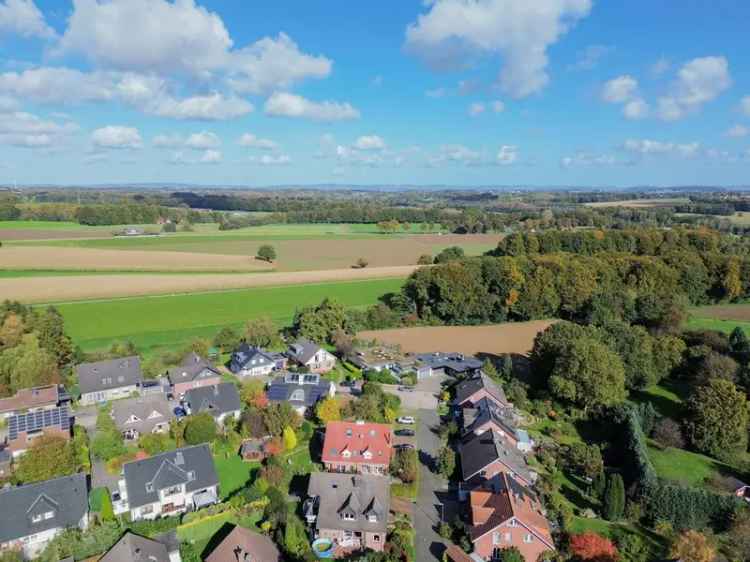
(233, 472)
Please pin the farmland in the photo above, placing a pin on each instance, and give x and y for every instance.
(517, 337)
(724, 318)
(168, 322)
(642, 203)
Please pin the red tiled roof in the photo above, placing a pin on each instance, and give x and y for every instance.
(30, 398)
(357, 442)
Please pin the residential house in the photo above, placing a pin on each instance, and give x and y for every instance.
(30, 400)
(168, 484)
(32, 515)
(508, 515)
(311, 356)
(193, 372)
(250, 361)
(139, 416)
(470, 391)
(301, 390)
(349, 510)
(254, 449)
(485, 456)
(135, 548)
(454, 553)
(244, 545)
(358, 447)
(107, 380)
(438, 363)
(486, 415)
(220, 400)
(5, 463)
(23, 429)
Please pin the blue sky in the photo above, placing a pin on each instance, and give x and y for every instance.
(459, 92)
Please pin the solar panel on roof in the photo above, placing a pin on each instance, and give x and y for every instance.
(35, 421)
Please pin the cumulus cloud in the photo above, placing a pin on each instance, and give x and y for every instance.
(369, 142)
(167, 141)
(587, 159)
(116, 137)
(58, 85)
(453, 32)
(475, 109)
(635, 109)
(648, 147)
(624, 90)
(698, 82)
(211, 107)
(507, 155)
(18, 128)
(737, 131)
(284, 104)
(249, 140)
(270, 64)
(202, 141)
(660, 66)
(22, 17)
(210, 157)
(271, 160)
(459, 154)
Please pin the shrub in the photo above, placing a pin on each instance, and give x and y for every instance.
(266, 253)
(668, 433)
(200, 428)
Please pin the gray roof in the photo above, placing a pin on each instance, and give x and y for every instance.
(193, 367)
(108, 374)
(486, 410)
(299, 389)
(359, 495)
(466, 388)
(135, 548)
(244, 354)
(216, 399)
(66, 498)
(145, 408)
(303, 350)
(457, 362)
(478, 451)
(4, 455)
(244, 545)
(191, 466)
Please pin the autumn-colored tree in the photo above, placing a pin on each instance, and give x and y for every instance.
(692, 546)
(253, 393)
(28, 364)
(328, 410)
(49, 457)
(11, 331)
(290, 438)
(273, 447)
(262, 332)
(591, 546)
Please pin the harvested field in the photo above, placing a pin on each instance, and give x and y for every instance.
(641, 203)
(42, 257)
(739, 312)
(513, 337)
(34, 234)
(71, 288)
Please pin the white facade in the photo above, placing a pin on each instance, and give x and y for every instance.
(251, 369)
(33, 545)
(108, 395)
(172, 501)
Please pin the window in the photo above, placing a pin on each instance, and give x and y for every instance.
(347, 516)
(36, 518)
(372, 518)
(376, 538)
(528, 538)
(297, 395)
(512, 523)
(172, 491)
(507, 537)
(49, 515)
(146, 509)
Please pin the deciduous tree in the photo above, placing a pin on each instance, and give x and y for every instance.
(50, 456)
(200, 428)
(717, 416)
(692, 546)
(591, 546)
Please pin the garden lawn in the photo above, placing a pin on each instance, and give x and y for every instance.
(163, 322)
(666, 398)
(96, 498)
(234, 473)
(684, 467)
(726, 326)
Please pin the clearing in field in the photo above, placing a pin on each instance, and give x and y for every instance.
(498, 339)
(64, 288)
(641, 203)
(170, 321)
(721, 317)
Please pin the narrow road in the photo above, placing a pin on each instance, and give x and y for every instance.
(427, 511)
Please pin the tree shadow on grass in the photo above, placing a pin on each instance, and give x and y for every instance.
(217, 538)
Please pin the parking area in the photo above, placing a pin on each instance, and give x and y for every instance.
(424, 396)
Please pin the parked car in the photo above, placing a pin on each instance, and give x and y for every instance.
(179, 412)
(407, 420)
(405, 432)
(404, 446)
(406, 388)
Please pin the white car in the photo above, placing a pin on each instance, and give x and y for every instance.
(406, 420)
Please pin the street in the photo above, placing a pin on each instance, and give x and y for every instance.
(432, 488)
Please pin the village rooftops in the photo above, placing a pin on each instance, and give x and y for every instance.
(474, 388)
(301, 390)
(192, 367)
(303, 350)
(143, 413)
(217, 400)
(244, 545)
(454, 362)
(357, 442)
(135, 548)
(111, 373)
(479, 451)
(486, 410)
(31, 398)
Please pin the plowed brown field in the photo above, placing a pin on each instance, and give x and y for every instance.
(513, 337)
(739, 312)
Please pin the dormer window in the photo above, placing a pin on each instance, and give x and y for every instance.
(367, 454)
(149, 487)
(348, 516)
(346, 454)
(298, 395)
(36, 518)
(372, 518)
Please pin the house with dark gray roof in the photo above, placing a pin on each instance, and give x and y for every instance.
(24, 429)
(193, 372)
(220, 400)
(351, 510)
(32, 515)
(135, 548)
(486, 415)
(470, 391)
(244, 545)
(142, 415)
(485, 456)
(301, 390)
(110, 379)
(446, 363)
(311, 356)
(168, 484)
(251, 361)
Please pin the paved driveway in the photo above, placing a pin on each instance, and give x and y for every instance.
(86, 416)
(413, 399)
(432, 489)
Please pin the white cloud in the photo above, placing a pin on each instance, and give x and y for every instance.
(8, 104)
(210, 157)
(620, 89)
(647, 147)
(284, 104)
(476, 109)
(660, 66)
(211, 107)
(455, 153)
(369, 142)
(271, 160)
(58, 85)
(745, 105)
(251, 141)
(167, 141)
(202, 141)
(22, 17)
(635, 109)
(507, 155)
(498, 106)
(698, 81)
(19, 128)
(272, 64)
(587, 159)
(737, 131)
(589, 58)
(116, 137)
(452, 32)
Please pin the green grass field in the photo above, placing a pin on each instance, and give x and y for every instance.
(170, 321)
(726, 326)
(684, 467)
(233, 472)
